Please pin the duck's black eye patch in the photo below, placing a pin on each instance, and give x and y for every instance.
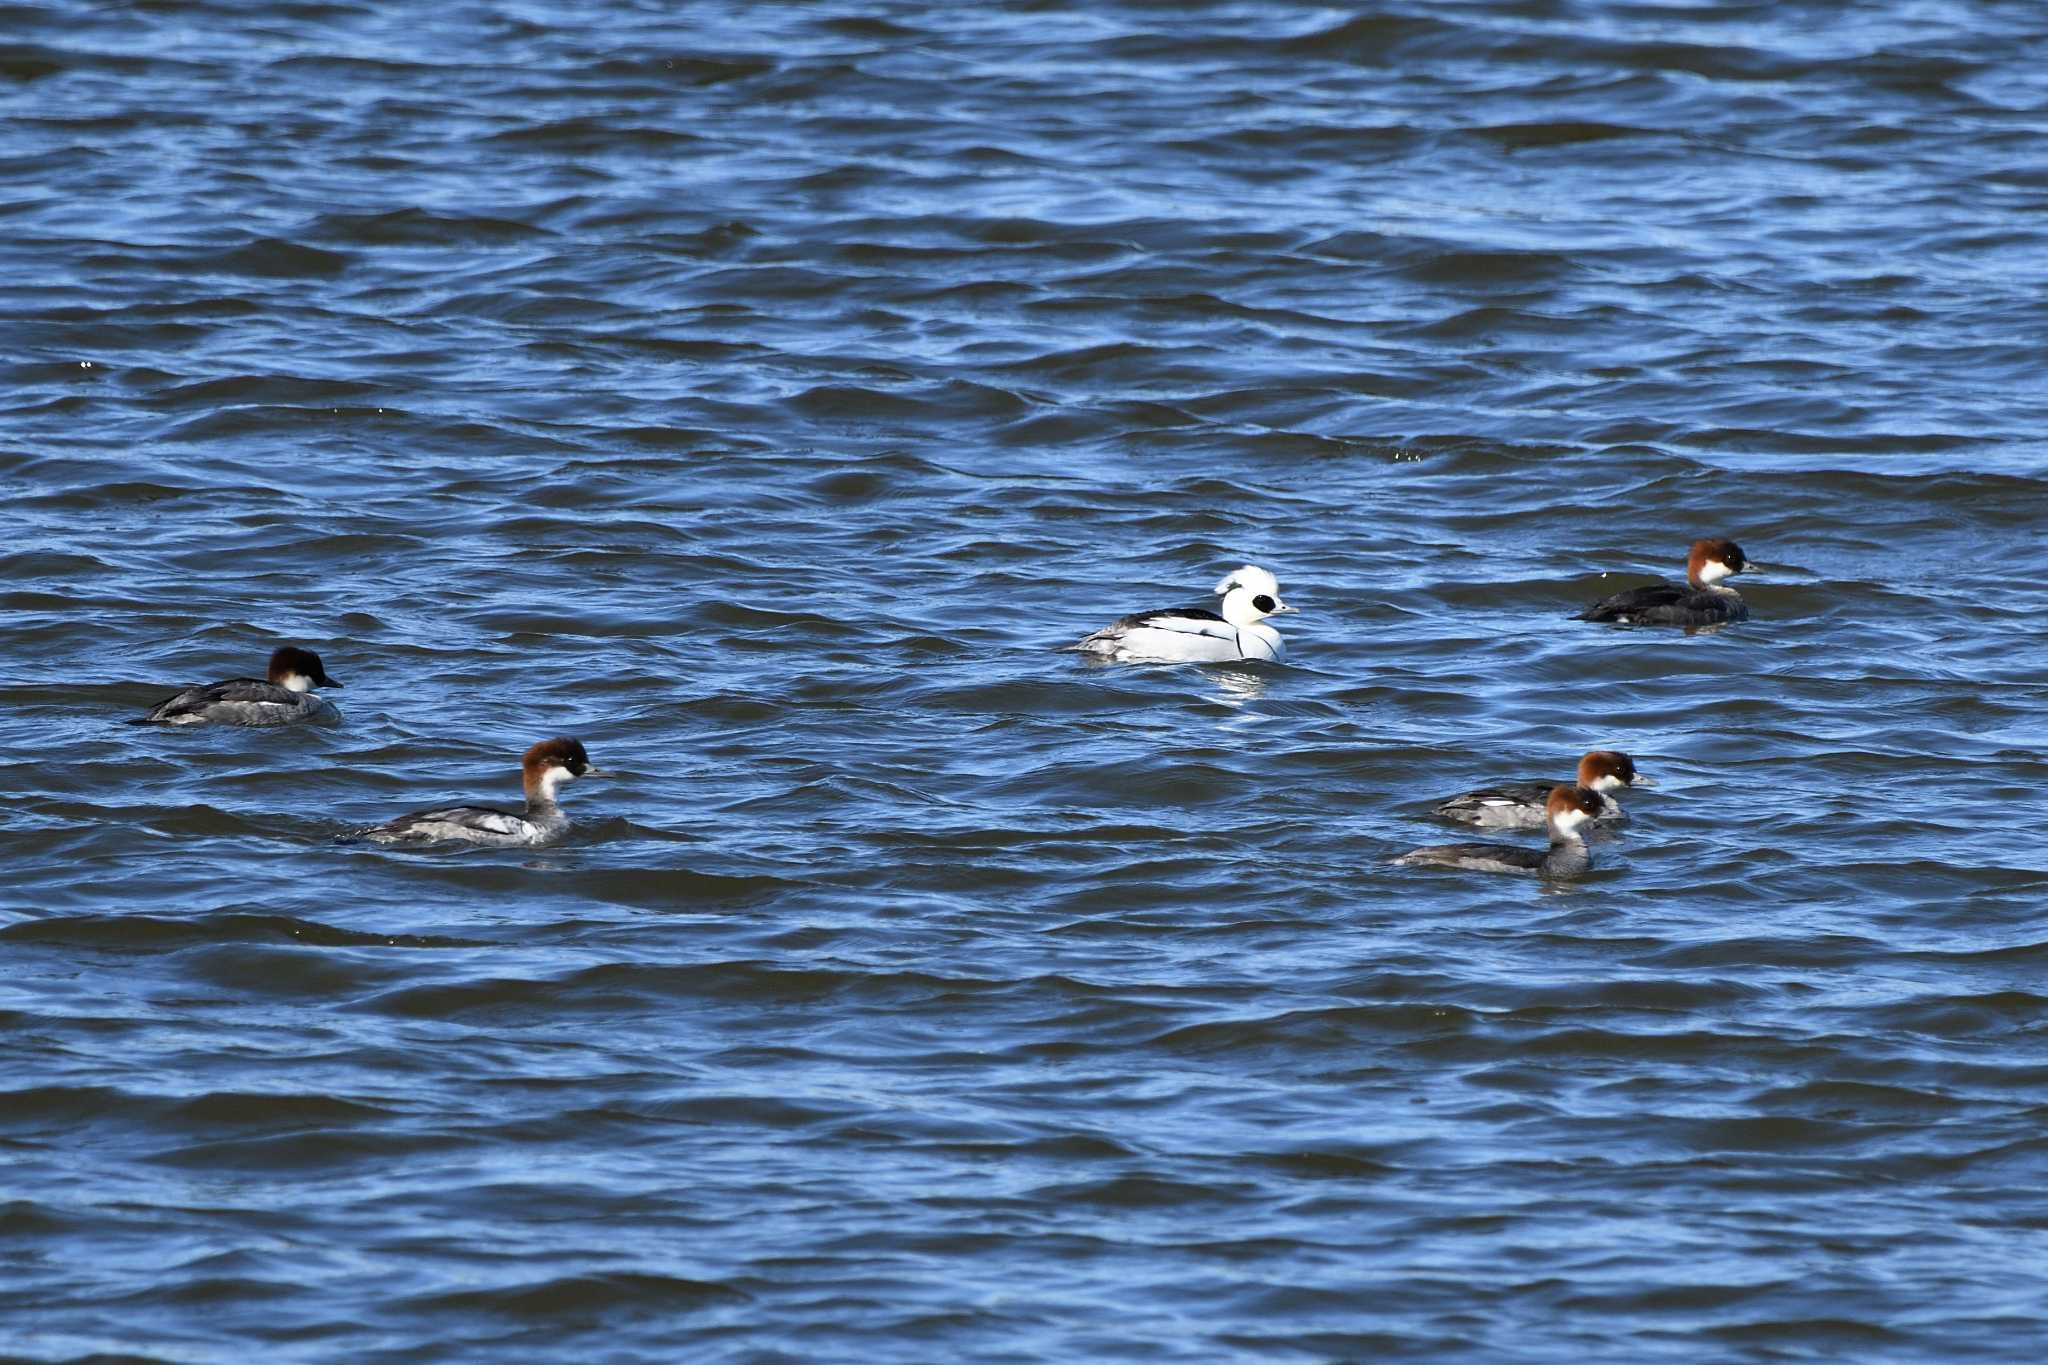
(578, 766)
(1263, 603)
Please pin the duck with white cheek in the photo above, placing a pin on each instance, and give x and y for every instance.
(1567, 812)
(1197, 634)
(285, 698)
(1699, 601)
(547, 766)
(1521, 805)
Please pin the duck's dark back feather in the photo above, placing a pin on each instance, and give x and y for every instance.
(1146, 617)
(1505, 856)
(234, 689)
(1667, 604)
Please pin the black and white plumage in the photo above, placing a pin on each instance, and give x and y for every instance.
(546, 766)
(1567, 812)
(1699, 601)
(1521, 805)
(285, 699)
(1196, 634)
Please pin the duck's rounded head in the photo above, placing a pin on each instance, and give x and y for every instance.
(1713, 560)
(1251, 594)
(1568, 809)
(298, 670)
(552, 762)
(1608, 770)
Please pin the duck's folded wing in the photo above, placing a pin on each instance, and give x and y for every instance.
(1181, 621)
(1476, 857)
(1508, 794)
(251, 689)
(234, 689)
(1652, 597)
(425, 823)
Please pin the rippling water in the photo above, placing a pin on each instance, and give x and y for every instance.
(761, 393)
